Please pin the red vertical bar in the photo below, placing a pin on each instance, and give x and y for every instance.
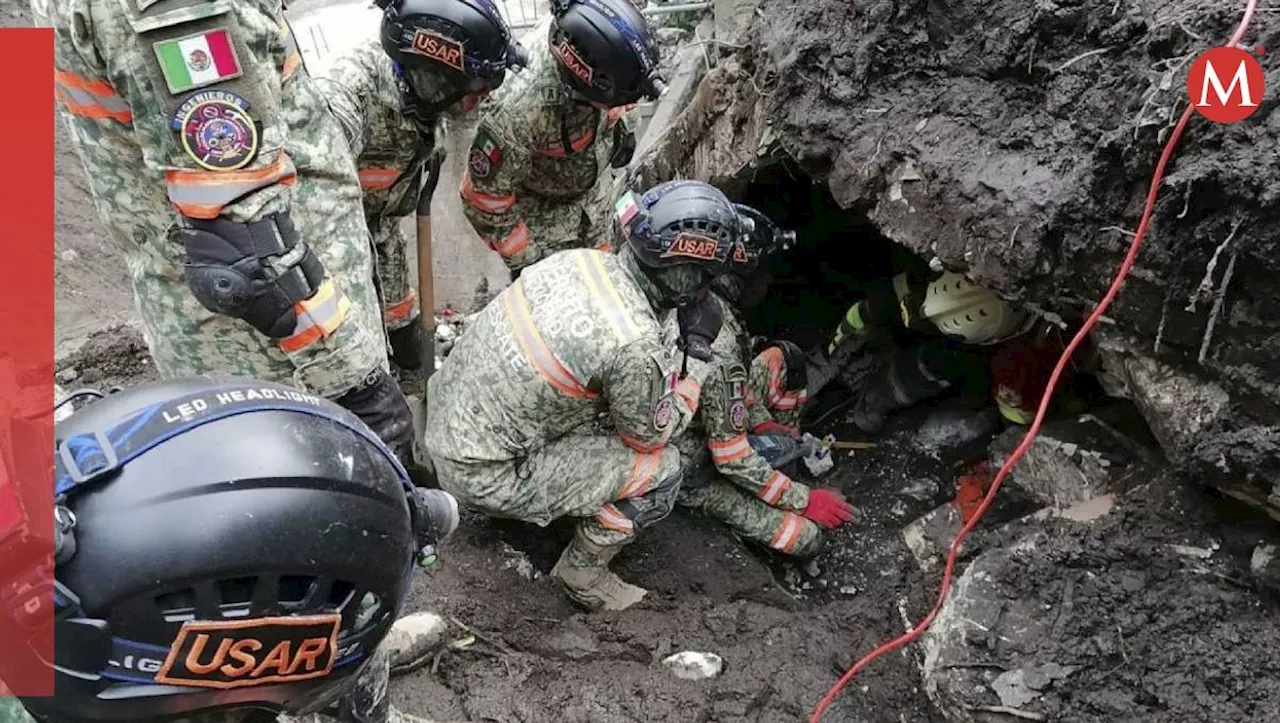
(26, 363)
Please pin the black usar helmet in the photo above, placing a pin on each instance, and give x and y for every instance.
(447, 49)
(683, 234)
(750, 258)
(224, 544)
(605, 51)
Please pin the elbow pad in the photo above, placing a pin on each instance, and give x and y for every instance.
(252, 271)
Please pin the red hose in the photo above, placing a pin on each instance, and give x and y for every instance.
(1034, 429)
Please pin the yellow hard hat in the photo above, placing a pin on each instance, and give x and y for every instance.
(961, 308)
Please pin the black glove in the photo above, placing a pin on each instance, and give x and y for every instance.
(624, 145)
(430, 179)
(380, 404)
(700, 324)
(406, 346)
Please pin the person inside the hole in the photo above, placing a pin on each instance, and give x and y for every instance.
(562, 395)
(911, 339)
(433, 60)
(734, 474)
(226, 551)
(538, 176)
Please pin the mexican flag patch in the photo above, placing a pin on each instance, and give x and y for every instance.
(198, 60)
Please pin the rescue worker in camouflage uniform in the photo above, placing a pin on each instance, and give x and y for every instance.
(215, 165)
(433, 59)
(538, 175)
(733, 472)
(293, 615)
(916, 336)
(577, 337)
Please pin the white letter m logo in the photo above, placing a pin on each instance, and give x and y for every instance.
(1241, 77)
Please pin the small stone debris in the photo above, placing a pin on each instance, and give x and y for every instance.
(691, 665)
(68, 375)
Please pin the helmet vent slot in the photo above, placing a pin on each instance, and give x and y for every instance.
(178, 606)
(295, 589)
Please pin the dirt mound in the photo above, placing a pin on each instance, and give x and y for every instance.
(1115, 619)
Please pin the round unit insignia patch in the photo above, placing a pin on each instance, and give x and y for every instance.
(480, 163)
(663, 413)
(216, 130)
(738, 415)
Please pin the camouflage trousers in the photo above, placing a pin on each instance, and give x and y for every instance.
(558, 225)
(712, 494)
(367, 702)
(613, 489)
(391, 271)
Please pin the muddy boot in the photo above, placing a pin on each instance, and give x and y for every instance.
(583, 570)
(413, 639)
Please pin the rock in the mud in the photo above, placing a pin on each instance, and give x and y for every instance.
(1018, 687)
(413, 637)
(68, 375)
(690, 665)
(1069, 462)
(946, 430)
(930, 536)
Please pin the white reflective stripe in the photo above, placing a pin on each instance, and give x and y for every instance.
(214, 189)
(777, 484)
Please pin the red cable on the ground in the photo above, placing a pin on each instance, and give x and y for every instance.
(1034, 429)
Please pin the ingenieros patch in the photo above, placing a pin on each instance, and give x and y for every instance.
(215, 129)
(738, 415)
(228, 654)
(663, 413)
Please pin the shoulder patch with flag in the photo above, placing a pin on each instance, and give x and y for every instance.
(485, 155)
(198, 60)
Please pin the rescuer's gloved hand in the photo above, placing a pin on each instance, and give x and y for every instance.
(699, 324)
(828, 508)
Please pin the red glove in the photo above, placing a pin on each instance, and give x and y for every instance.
(828, 508)
(772, 427)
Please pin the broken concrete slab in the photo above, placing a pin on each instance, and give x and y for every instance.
(1069, 462)
(692, 665)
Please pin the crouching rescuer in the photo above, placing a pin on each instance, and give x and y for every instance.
(561, 397)
(229, 551)
(733, 470)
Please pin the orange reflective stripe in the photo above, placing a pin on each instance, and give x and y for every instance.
(534, 348)
(615, 114)
(690, 391)
(203, 194)
(486, 202)
(788, 533)
(577, 144)
(318, 317)
(377, 178)
(778, 397)
(642, 473)
(292, 58)
(291, 64)
(608, 302)
(774, 488)
(90, 98)
(610, 517)
(729, 450)
(636, 444)
(513, 243)
(400, 310)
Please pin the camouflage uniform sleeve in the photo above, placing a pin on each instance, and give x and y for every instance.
(757, 386)
(349, 89)
(497, 163)
(648, 401)
(152, 80)
(724, 412)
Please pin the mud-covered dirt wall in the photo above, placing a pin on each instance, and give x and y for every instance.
(1017, 141)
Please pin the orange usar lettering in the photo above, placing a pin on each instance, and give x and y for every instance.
(438, 47)
(232, 655)
(693, 246)
(574, 63)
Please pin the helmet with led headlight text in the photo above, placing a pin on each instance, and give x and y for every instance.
(225, 544)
